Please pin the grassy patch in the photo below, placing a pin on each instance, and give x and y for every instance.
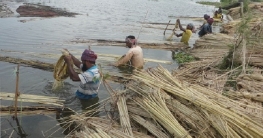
(216, 4)
(183, 57)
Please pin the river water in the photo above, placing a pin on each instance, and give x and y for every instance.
(43, 38)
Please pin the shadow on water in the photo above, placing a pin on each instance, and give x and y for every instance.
(30, 126)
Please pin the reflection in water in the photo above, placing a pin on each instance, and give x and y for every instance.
(125, 69)
(20, 131)
(87, 105)
(30, 126)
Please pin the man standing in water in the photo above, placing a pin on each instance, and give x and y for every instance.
(206, 17)
(134, 55)
(207, 28)
(90, 76)
(187, 33)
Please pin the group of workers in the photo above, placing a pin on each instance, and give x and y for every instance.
(89, 78)
(205, 28)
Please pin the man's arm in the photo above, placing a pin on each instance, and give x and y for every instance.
(75, 61)
(178, 35)
(124, 59)
(72, 74)
(180, 26)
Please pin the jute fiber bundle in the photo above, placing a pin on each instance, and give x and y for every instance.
(60, 71)
(173, 33)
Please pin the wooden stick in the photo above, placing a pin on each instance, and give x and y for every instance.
(166, 27)
(16, 95)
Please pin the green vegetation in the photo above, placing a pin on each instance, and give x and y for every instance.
(217, 4)
(183, 57)
(231, 81)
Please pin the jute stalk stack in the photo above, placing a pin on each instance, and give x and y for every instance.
(250, 83)
(152, 128)
(256, 9)
(112, 128)
(155, 105)
(239, 95)
(212, 102)
(168, 107)
(124, 116)
(191, 118)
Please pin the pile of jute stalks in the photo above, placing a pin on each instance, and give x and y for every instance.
(256, 7)
(157, 104)
(209, 51)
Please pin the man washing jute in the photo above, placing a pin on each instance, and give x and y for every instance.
(89, 77)
(134, 57)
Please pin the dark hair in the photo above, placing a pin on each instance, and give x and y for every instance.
(131, 37)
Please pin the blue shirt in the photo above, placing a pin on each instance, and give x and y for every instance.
(207, 28)
(90, 81)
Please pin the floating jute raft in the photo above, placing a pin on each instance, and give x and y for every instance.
(157, 104)
(32, 98)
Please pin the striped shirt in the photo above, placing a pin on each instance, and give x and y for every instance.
(90, 81)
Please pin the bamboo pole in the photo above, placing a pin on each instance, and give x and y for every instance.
(16, 93)
(166, 27)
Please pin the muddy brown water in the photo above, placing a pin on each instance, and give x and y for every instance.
(41, 38)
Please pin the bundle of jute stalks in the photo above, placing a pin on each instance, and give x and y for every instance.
(253, 55)
(253, 24)
(255, 8)
(212, 46)
(209, 51)
(157, 104)
(250, 83)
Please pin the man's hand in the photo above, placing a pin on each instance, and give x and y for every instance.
(178, 20)
(67, 59)
(65, 51)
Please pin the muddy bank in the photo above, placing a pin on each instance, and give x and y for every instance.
(34, 10)
(104, 42)
(5, 11)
